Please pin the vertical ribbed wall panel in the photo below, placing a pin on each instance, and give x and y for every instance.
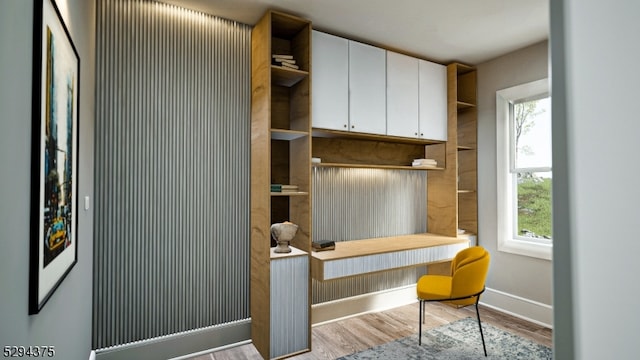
(351, 204)
(324, 291)
(289, 330)
(172, 171)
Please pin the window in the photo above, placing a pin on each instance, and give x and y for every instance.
(524, 172)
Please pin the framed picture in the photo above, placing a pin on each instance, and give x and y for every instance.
(54, 154)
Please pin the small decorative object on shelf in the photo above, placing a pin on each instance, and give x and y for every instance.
(323, 245)
(283, 233)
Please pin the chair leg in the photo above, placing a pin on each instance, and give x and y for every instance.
(480, 326)
(420, 319)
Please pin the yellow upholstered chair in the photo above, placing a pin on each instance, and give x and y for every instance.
(462, 287)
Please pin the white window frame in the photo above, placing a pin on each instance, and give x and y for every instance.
(507, 241)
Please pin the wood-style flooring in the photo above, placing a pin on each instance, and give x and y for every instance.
(335, 339)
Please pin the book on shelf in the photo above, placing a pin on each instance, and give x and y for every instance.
(424, 163)
(321, 244)
(284, 188)
(284, 60)
(324, 248)
(282, 56)
(290, 66)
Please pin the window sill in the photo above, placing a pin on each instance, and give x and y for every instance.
(526, 248)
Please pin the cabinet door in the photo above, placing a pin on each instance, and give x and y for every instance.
(367, 89)
(402, 95)
(330, 83)
(433, 101)
(289, 305)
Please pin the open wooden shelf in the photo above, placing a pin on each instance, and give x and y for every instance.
(285, 76)
(371, 152)
(466, 191)
(288, 135)
(369, 166)
(289, 193)
(462, 69)
(465, 105)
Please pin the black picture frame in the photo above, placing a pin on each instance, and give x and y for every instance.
(54, 154)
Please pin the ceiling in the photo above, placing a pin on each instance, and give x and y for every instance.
(468, 31)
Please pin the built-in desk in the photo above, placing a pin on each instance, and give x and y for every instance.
(358, 257)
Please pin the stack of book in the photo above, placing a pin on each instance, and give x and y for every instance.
(284, 60)
(424, 163)
(323, 245)
(284, 188)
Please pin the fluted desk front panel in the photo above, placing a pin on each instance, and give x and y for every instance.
(372, 263)
(357, 257)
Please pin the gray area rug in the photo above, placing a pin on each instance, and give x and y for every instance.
(458, 340)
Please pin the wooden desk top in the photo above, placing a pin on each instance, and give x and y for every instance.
(357, 248)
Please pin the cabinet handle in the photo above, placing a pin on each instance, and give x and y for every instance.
(353, 126)
(345, 125)
(421, 134)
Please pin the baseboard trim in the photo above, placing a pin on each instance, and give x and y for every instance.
(330, 311)
(526, 309)
(340, 309)
(182, 345)
(202, 341)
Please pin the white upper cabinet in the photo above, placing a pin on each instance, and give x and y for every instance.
(361, 88)
(367, 88)
(330, 85)
(402, 95)
(433, 101)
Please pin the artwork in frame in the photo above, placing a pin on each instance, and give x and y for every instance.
(54, 155)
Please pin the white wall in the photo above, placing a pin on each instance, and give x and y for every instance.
(518, 284)
(595, 89)
(65, 320)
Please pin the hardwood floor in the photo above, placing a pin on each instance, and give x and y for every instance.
(351, 335)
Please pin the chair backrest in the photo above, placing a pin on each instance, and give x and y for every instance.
(469, 271)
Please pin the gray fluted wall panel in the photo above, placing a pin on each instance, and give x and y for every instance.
(324, 291)
(289, 327)
(352, 204)
(172, 171)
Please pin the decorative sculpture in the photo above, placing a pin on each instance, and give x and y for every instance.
(283, 233)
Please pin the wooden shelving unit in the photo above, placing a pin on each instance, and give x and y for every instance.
(452, 194)
(283, 144)
(467, 142)
(280, 154)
